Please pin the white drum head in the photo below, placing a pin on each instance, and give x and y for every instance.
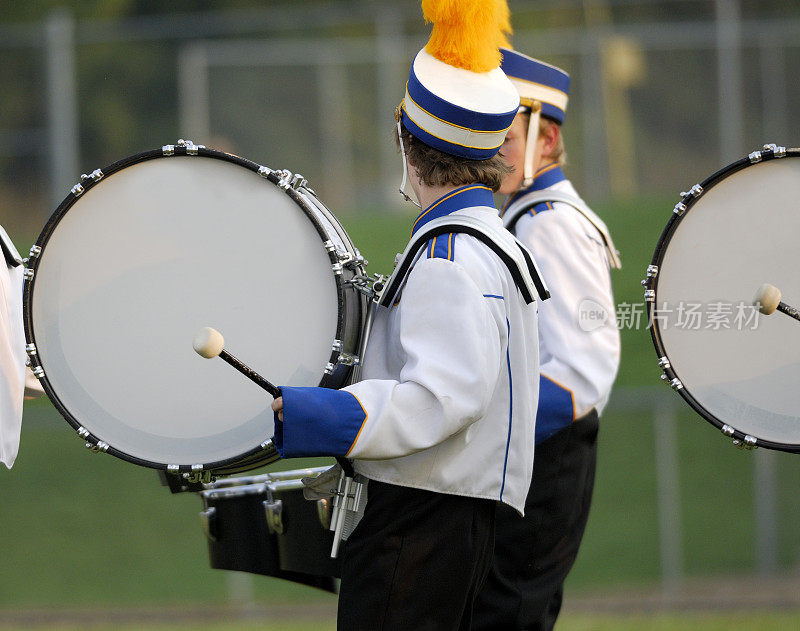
(142, 261)
(737, 367)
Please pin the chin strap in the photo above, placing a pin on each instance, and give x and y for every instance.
(405, 195)
(530, 144)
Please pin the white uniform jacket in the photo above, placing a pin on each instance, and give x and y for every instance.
(579, 346)
(450, 387)
(12, 351)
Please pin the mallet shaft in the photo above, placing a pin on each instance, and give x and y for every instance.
(789, 310)
(250, 373)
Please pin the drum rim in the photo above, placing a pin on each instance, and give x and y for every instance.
(650, 283)
(260, 455)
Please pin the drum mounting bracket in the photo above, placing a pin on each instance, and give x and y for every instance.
(371, 286)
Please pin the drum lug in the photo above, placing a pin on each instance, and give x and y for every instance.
(273, 512)
(37, 371)
(298, 181)
(337, 346)
(30, 349)
(77, 190)
(208, 521)
(754, 157)
(777, 152)
(96, 448)
(285, 179)
(94, 176)
(663, 363)
(265, 171)
(749, 443)
(347, 359)
(650, 295)
(191, 148)
(168, 150)
(695, 191)
(35, 252)
(198, 475)
(28, 274)
(680, 209)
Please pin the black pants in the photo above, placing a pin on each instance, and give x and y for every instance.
(534, 554)
(415, 561)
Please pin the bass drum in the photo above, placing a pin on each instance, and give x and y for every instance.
(729, 235)
(143, 254)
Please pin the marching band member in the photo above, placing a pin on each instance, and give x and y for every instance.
(439, 425)
(579, 354)
(16, 382)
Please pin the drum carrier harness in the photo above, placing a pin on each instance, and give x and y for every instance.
(520, 207)
(516, 257)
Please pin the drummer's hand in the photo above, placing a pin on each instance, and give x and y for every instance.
(277, 406)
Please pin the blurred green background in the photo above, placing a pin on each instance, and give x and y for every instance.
(664, 92)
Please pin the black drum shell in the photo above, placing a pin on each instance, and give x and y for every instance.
(239, 537)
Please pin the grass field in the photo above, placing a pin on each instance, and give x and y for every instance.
(687, 621)
(82, 530)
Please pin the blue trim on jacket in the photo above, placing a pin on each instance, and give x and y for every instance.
(317, 422)
(464, 197)
(547, 176)
(556, 409)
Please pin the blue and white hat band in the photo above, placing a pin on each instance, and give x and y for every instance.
(537, 81)
(469, 132)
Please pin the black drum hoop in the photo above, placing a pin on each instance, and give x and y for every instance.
(264, 453)
(650, 283)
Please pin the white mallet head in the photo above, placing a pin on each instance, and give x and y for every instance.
(767, 298)
(208, 342)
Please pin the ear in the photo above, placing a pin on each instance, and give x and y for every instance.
(551, 134)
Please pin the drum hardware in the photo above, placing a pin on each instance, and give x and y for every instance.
(28, 274)
(208, 522)
(679, 209)
(272, 511)
(324, 512)
(649, 295)
(371, 286)
(695, 191)
(97, 447)
(772, 150)
(349, 501)
(748, 442)
(190, 148)
(34, 252)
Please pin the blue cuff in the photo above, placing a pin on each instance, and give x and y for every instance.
(556, 409)
(317, 422)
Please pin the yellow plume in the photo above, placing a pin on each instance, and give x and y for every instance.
(467, 33)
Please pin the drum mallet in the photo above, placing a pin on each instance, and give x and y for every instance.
(768, 300)
(209, 343)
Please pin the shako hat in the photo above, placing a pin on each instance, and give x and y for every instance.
(457, 98)
(537, 81)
